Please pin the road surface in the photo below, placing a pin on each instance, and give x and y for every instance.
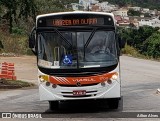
(140, 80)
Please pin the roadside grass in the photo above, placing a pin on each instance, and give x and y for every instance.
(11, 84)
(14, 44)
(131, 51)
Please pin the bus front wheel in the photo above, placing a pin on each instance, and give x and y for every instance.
(53, 105)
(113, 103)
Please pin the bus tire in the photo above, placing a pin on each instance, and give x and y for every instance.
(113, 103)
(53, 105)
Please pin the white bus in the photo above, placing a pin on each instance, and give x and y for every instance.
(77, 57)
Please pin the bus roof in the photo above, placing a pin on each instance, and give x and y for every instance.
(75, 12)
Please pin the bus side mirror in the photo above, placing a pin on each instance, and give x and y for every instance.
(32, 41)
(121, 42)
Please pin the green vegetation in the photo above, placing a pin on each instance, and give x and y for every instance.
(131, 51)
(151, 47)
(14, 10)
(133, 13)
(142, 42)
(17, 18)
(15, 43)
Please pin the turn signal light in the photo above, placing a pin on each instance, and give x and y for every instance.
(43, 78)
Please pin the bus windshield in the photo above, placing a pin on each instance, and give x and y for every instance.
(81, 48)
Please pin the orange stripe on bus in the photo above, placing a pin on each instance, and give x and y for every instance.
(82, 80)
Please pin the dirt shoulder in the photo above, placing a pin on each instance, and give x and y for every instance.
(25, 67)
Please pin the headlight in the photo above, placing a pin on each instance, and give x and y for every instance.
(114, 76)
(41, 80)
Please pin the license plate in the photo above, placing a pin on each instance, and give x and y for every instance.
(79, 92)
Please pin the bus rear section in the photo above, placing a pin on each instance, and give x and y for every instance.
(77, 57)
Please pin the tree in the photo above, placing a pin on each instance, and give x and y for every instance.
(131, 12)
(28, 8)
(11, 7)
(17, 9)
(147, 15)
(51, 6)
(151, 46)
(136, 38)
(1, 45)
(65, 2)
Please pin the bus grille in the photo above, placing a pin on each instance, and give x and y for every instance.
(70, 94)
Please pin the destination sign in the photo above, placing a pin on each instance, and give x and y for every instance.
(75, 20)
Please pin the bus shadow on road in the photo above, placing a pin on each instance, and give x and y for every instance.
(84, 106)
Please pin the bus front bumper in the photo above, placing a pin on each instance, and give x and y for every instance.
(91, 92)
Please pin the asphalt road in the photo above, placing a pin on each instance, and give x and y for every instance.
(140, 80)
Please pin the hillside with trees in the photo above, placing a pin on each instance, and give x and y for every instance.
(17, 17)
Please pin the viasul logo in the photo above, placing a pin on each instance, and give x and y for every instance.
(84, 80)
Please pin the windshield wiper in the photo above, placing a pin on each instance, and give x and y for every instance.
(90, 37)
(70, 45)
(88, 41)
